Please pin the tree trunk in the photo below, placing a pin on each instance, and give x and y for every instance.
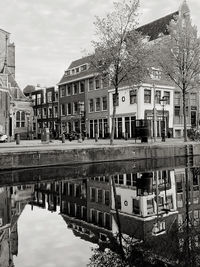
(184, 115)
(113, 119)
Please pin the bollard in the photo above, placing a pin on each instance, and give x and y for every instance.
(63, 138)
(17, 139)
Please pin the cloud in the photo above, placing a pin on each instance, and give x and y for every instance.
(48, 34)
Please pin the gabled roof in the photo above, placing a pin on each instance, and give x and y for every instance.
(79, 62)
(157, 27)
(67, 78)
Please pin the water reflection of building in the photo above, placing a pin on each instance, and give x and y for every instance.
(147, 202)
(86, 208)
(188, 204)
(46, 194)
(12, 202)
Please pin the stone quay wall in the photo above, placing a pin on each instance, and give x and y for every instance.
(53, 157)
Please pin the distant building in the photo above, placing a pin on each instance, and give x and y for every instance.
(45, 109)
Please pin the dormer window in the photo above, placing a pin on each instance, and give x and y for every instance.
(156, 74)
(73, 71)
(77, 70)
(68, 72)
(83, 67)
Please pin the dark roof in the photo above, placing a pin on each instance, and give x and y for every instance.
(29, 89)
(157, 27)
(80, 62)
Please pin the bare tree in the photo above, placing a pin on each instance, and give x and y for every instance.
(120, 51)
(179, 57)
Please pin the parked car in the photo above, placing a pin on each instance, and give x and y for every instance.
(3, 138)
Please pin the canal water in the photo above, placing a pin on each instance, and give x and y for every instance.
(133, 213)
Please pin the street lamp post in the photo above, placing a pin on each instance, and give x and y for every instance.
(162, 101)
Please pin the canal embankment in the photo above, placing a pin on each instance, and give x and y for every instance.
(30, 154)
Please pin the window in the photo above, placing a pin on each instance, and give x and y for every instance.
(193, 99)
(84, 67)
(116, 100)
(82, 86)
(156, 74)
(69, 109)
(104, 101)
(34, 99)
(39, 113)
(56, 97)
(39, 99)
(69, 89)
(50, 114)
(75, 88)
(158, 97)
(77, 70)
(67, 72)
(177, 110)
(136, 206)
(62, 91)
(167, 97)
(91, 105)
(177, 98)
(97, 83)
(62, 110)
(91, 84)
(75, 108)
(98, 104)
(49, 97)
(147, 96)
(18, 119)
(133, 96)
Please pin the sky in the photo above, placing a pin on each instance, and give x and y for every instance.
(49, 34)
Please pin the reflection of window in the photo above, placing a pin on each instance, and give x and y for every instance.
(159, 227)
(118, 200)
(136, 206)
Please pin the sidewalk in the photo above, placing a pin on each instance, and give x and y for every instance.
(57, 144)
